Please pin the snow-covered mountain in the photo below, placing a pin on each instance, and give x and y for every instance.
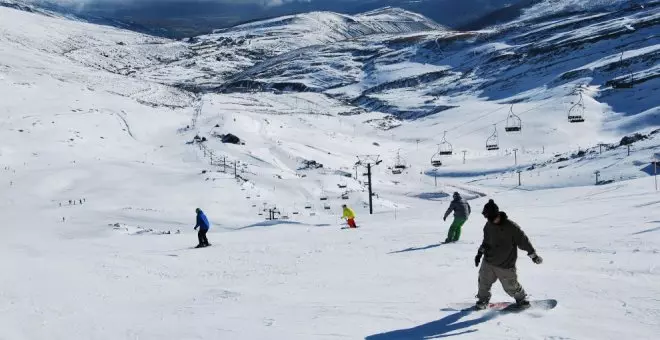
(183, 18)
(109, 140)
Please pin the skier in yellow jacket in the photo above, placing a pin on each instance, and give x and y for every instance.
(349, 215)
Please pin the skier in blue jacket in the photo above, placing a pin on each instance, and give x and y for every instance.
(203, 225)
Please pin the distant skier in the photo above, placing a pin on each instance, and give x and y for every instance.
(462, 211)
(349, 215)
(203, 225)
(502, 238)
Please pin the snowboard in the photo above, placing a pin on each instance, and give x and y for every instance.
(201, 247)
(505, 307)
(342, 228)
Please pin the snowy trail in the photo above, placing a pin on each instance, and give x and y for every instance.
(319, 282)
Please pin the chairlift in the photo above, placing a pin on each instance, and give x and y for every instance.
(324, 198)
(342, 185)
(399, 164)
(326, 206)
(308, 206)
(344, 196)
(625, 81)
(493, 142)
(576, 112)
(513, 122)
(445, 148)
(436, 162)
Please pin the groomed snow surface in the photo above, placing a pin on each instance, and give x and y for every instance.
(120, 265)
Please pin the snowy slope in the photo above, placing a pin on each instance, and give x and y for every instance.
(77, 125)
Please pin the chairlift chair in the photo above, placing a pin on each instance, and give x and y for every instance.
(513, 122)
(399, 164)
(445, 148)
(308, 206)
(436, 159)
(326, 207)
(626, 81)
(576, 112)
(493, 143)
(623, 85)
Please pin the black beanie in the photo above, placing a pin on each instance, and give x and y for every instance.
(491, 210)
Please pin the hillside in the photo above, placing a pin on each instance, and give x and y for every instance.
(109, 140)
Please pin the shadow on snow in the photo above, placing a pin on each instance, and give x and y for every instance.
(437, 329)
(432, 196)
(416, 249)
(278, 222)
(267, 224)
(647, 231)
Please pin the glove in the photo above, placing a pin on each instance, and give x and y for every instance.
(444, 218)
(477, 259)
(195, 228)
(536, 259)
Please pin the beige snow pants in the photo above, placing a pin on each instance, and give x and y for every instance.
(488, 274)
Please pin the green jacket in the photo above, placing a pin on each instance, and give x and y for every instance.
(501, 243)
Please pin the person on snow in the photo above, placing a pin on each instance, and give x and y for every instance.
(349, 215)
(462, 211)
(502, 238)
(203, 225)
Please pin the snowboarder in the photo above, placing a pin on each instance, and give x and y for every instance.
(203, 225)
(349, 215)
(462, 211)
(502, 238)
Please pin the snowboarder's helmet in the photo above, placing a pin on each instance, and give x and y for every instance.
(456, 194)
(343, 205)
(198, 210)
